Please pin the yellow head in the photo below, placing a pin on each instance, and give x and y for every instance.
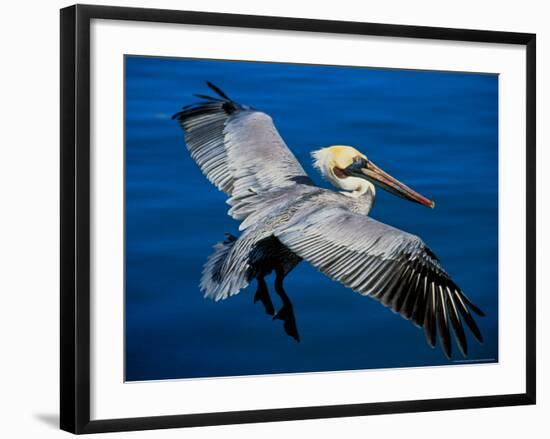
(332, 163)
(336, 156)
(349, 169)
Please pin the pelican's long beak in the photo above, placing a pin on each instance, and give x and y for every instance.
(377, 176)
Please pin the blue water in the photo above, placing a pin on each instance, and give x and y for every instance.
(435, 131)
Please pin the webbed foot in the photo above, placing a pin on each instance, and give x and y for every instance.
(286, 314)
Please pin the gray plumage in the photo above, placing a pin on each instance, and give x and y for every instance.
(286, 218)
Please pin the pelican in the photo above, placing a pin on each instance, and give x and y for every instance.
(285, 218)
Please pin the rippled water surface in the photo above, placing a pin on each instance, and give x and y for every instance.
(435, 131)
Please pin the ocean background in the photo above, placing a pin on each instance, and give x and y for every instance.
(435, 131)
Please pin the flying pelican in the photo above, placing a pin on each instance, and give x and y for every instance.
(285, 218)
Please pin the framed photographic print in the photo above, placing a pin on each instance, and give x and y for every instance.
(292, 219)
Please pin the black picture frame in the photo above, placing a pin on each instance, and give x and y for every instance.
(75, 217)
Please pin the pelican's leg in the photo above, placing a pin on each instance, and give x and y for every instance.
(262, 295)
(286, 313)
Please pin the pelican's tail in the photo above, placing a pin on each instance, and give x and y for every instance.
(223, 275)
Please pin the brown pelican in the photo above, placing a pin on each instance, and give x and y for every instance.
(285, 218)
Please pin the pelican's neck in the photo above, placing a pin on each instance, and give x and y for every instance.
(359, 187)
(362, 196)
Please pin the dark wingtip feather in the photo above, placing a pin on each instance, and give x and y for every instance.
(429, 319)
(464, 305)
(460, 337)
(443, 324)
(471, 324)
(419, 308)
(430, 330)
(473, 307)
(218, 90)
(465, 299)
(478, 311)
(457, 325)
(208, 98)
(408, 306)
(210, 104)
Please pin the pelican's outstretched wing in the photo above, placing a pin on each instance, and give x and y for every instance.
(392, 266)
(238, 148)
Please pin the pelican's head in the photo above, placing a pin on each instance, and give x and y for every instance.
(350, 170)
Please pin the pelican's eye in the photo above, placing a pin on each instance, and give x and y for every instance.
(361, 161)
(357, 164)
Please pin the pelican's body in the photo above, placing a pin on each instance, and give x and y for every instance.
(285, 218)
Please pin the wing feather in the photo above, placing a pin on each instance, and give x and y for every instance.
(387, 264)
(238, 149)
